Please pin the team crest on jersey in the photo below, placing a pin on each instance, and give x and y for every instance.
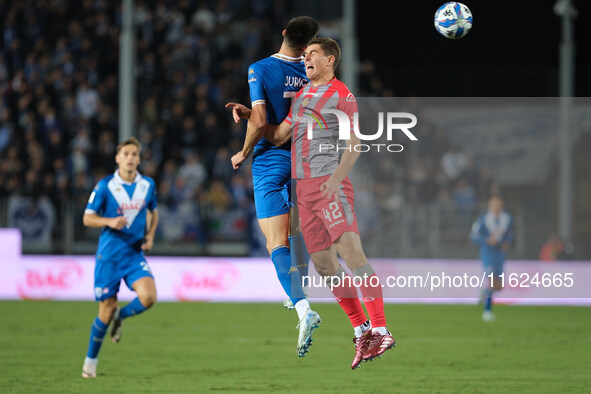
(306, 101)
(250, 71)
(350, 98)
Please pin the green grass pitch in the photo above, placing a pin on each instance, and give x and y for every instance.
(196, 347)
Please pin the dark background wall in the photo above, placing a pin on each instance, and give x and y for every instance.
(512, 50)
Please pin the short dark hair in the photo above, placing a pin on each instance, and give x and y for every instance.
(329, 47)
(299, 31)
(130, 141)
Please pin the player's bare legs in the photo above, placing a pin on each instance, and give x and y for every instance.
(350, 248)
(326, 262)
(275, 230)
(145, 289)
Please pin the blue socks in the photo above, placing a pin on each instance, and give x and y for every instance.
(97, 333)
(133, 308)
(99, 329)
(299, 254)
(288, 275)
(488, 300)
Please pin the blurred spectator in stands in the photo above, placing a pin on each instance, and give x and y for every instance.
(105, 150)
(204, 19)
(78, 161)
(239, 190)
(189, 138)
(464, 197)
(31, 185)
(87, 100)
(218, 196)
(454, 162)
(57, 146)
(193, 171)
(222, 167)
(35, 217)
(6, 129)
(553, 248)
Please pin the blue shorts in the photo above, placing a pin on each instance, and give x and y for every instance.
(495, 267)
(271, 176)
(108, 274)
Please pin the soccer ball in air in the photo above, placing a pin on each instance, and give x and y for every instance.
(453, 20)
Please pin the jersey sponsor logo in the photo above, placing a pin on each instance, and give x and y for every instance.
(253, 79)
(91, 198)
(310, 119)
(129, 206)
(295, 82)
(350, 98)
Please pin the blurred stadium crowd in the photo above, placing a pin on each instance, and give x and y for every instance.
(59, 103)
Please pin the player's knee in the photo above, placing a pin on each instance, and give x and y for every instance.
(107, 309)
(324, 269)
(354, 257)
(147, 297)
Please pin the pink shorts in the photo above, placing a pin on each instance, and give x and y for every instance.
(323, 221)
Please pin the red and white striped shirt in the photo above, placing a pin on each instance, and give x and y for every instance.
(312, 155)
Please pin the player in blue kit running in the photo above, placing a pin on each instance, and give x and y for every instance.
(493, 232)
(121, 204)
(273, 82)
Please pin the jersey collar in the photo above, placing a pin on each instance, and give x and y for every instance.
(288, 58)
(137, 178)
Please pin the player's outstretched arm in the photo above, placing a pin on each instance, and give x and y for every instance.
(94, 220)
(254, 132)
(149, 237)
(330, 188)
(278, 134)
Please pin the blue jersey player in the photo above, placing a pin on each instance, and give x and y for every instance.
(493, 232)
(124, 206)
(273, 82)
